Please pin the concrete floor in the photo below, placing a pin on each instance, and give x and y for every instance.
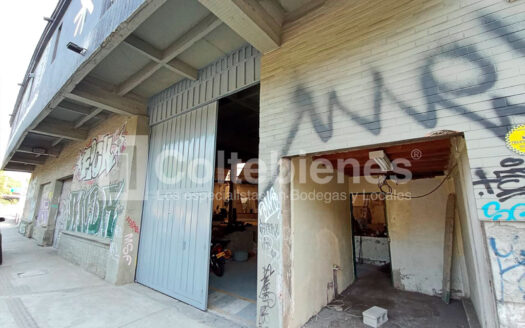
(40, 289)
(239, 278)
(234, 295)
(405, 309)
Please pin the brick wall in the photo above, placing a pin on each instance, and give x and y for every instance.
(356, 73)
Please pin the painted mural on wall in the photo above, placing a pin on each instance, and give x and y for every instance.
(100, 156)
(94, 210)
(94, 202)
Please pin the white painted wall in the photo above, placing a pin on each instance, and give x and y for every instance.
(476, 264)
(321, 238)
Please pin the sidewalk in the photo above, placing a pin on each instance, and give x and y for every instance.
(40, 289)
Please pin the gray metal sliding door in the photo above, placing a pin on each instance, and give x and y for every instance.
(175, 233)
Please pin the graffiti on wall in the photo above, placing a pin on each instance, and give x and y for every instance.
(127, 245)
(95, 210)
(269, 206)
(45, 205)
(127, 248)
(269, 229)
(509, 181)
(267, 299)
(510, 260)
(100, 155)
(270, 210)
(113, 249)
(63, 211)
(493, 210)
(439, 94)
(505, 183)
(133, 225)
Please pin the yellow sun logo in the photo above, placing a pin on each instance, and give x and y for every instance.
(516, 139)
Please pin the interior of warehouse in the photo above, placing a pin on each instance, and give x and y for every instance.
(233, 290)
(368, 241)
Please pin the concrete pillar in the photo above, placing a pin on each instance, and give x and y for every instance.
(26, 223)
(122, 259)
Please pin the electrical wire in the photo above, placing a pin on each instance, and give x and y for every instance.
(382, 183)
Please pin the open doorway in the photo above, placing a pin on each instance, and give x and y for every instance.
(384, 245)
(370, 235)
(62, 214)
(233, 267)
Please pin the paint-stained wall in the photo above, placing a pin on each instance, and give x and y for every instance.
(354, 73)
(416, 230)
(372, 250)
(507, 255)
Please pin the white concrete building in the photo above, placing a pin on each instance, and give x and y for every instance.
(128, 107)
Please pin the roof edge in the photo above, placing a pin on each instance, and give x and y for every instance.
(50, 28)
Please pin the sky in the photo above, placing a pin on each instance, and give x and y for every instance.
(21, 26)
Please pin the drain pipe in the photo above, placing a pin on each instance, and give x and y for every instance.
(335, 268)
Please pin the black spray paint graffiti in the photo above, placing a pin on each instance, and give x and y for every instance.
(267, 298)
(100, 156)
(269, 229)
(269, 233)
(439, 95)
(95, 210)
(508, 261)
(509, 181)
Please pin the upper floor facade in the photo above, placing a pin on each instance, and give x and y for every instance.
(98, 58)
